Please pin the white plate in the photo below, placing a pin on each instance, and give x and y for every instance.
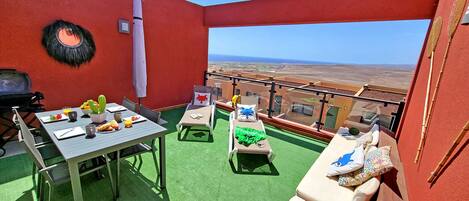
(116, 109)
(47, 119)
(69, 132)
(140, 119)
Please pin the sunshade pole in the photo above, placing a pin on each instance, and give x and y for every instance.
(139, 66)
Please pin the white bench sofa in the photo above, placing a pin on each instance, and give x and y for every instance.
(316, 186)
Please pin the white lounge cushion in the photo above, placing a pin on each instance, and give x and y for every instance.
(349, 162)
(365, 191)
(315, 185)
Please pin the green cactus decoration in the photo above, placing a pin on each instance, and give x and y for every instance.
(102, 103)
(98, 109)
(93, 107)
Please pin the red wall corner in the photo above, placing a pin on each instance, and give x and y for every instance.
(176, 45)
(449, 116)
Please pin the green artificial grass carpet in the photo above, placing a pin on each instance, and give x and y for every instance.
(197, 169)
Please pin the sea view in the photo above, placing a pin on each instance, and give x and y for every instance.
(389, 75)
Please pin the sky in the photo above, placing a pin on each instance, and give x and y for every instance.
(386, 42)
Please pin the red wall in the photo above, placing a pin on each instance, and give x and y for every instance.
(268, 12)
(176, 44)
(450, 115)
(452, 105)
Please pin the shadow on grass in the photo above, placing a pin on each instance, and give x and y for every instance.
(195, 135)
(27, 195)
(144, 188)
(296, 141)
(11, 172)
(253, 164)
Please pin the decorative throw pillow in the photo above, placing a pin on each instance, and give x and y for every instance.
(377, 162)
(246, 113)
(202, 99)
(343, 131)
(365, 191)
(364, 140)
(348, 162)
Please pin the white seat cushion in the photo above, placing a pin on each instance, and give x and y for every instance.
(365, 191)
(315, 185)
(374, 131)
(296, 198)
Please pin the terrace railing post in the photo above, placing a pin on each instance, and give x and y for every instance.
(205, 78)
(234, 86)
(398, 116)
(323, 103)
(271, 99)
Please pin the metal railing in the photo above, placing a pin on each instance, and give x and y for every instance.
(323, 101)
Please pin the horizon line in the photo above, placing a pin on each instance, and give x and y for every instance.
(298, 61)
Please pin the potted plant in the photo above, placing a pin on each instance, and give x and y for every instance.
(353, 131)
(98, 112)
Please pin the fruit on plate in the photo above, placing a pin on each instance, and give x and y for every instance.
(67, 110)
(55, 117)
(114, 124)
(128, 123)
(134, 118)
(86, 106)
(110, 126)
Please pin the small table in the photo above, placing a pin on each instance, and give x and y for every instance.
(78, 149)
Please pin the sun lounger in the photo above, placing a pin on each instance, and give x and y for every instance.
(199, 116)
(262, 147)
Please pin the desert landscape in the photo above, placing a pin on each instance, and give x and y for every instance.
(396, 76)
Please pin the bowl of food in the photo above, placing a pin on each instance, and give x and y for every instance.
(85, 107)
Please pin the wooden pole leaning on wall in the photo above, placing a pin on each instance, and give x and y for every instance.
(431, 46)
(436, 173)
(455, 17)
(456, 14)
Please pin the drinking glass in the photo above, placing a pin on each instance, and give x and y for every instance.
(72, 115)
(118, 117)
(90, 131)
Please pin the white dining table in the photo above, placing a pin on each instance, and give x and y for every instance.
(77, 149)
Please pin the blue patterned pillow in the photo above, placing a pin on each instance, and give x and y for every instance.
(377, 162)
(348, 162)
(246, 113)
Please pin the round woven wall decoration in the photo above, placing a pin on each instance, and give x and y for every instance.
(68, 43)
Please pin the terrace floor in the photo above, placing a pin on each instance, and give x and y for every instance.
(197, 169)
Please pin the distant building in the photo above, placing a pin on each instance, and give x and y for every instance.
(304, 107)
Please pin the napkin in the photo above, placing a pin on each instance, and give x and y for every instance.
(116, 108)
(69, 132)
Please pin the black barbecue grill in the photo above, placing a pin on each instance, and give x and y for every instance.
(15, 91)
